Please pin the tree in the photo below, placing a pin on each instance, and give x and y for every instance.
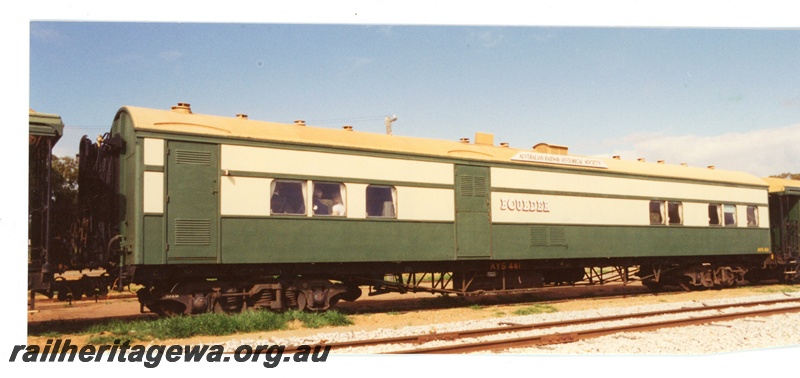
(64, 210)
(788, 176)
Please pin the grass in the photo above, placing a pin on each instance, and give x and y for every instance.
(210, 325)
(535, 309)
(779, 289)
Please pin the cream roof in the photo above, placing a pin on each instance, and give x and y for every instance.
(239, 128)
(779, 185)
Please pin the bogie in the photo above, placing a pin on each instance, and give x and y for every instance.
(197, 297)
(694, 277)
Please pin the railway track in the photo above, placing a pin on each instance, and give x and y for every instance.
(51, 310)
(56, 317)
(485, 339)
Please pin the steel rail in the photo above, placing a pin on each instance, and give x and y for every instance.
(568, 337)
(424, 338)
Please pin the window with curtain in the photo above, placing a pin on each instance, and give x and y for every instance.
(381, 201)
(288, 197)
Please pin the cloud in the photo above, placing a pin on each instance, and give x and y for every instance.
(386, 30)
(46, 34)
(761, 152)
(792, 103)
(487, 38)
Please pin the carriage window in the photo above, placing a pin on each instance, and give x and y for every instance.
(329, 199)
(656, 212)
(288, 197)
(381, 201)
(752, 216)
(675, 212)
(729, 215)
(714, 215)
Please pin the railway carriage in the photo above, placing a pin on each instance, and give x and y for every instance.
(44, 131)
(784, 205)
(227, 213)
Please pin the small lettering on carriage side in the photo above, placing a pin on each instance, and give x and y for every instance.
(513, 265)
(534, 157)
(524, 205)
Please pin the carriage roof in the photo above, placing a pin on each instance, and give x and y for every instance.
(181, 120)
(780, 185)
(43, 124)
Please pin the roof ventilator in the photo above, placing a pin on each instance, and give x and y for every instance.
(484, 139)
(183, 108)
(553, 149)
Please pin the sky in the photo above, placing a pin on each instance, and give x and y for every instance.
(728, 97)
(703, 83)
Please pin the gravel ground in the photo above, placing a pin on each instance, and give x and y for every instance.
(729, 336)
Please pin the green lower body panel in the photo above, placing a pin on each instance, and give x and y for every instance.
(153, 251)
(304, 240)
(557, 241)
(259, 240)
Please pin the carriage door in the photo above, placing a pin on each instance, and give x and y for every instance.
(192, 202)
(473, 219)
